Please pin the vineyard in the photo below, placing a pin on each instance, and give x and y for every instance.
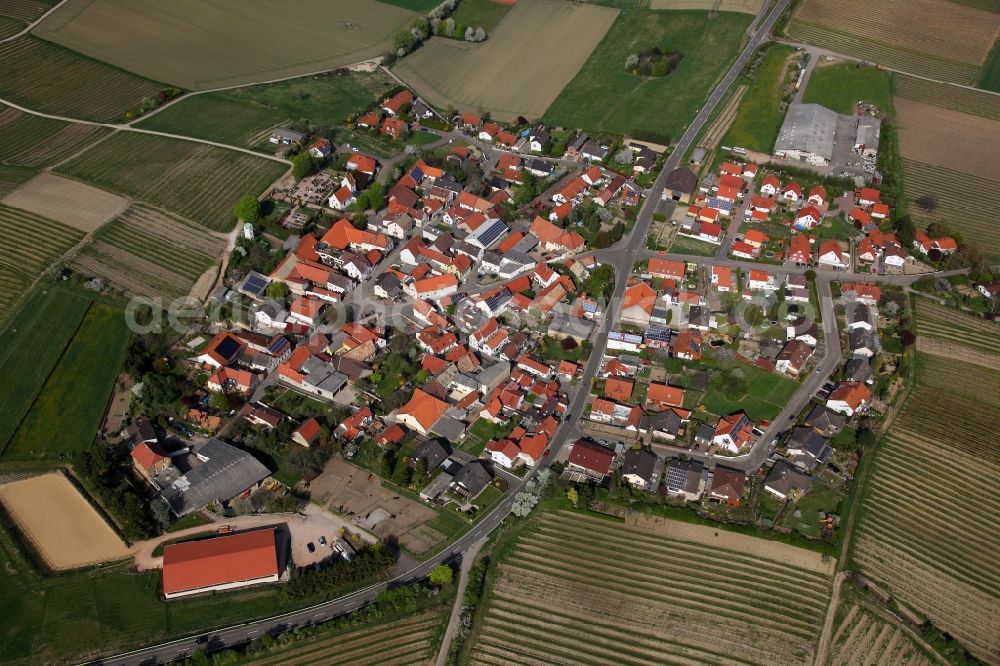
(36, 141)
(29, 244)
(929, 530)
(966, 100)
(148, 253)
(409, 641)
(864, 637)
(72, 86)
(945, 138)
(584, 590)
(957, 193)
(881, 53)
(196, 181)
(12, 177)
(719, 127)
(24, 10)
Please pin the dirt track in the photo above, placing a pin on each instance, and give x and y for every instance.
(59, 521)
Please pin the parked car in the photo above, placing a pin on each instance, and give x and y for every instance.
(311, 547)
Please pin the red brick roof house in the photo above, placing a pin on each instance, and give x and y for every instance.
(728, 485)
(590, 459)
(307, 433)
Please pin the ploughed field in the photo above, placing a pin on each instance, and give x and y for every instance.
(585, 590)
(929, 531)
(943, 40)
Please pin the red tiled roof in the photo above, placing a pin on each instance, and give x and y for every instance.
(227, 559)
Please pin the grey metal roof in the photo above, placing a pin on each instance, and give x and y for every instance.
(825, 419)
(808, 128)
(433, 452)
(473, 477)
(784, 478)
(223, 473)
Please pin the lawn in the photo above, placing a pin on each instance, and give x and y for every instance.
(34, 339)
(840, 86)
(759, 116)
(198, 182)
(766, 395)
(989, 76)
(685, 245)
(240, 117)
(480, 13)
(604, 97)
(422, 6)
(67, 412)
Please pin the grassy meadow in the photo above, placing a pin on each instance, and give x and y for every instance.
(839, 87)
(760, 115)
(604, 97)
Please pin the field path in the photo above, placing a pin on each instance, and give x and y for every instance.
(31, 25)
(468, 559)
(831, 614)
(129, 128)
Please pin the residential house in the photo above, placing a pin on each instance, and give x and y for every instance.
(640, 469)
(807, 448)
(686, 478)
(849, 398)
(590, 460)
(732, 432)
(784, 481)
(421, 412)
(803, 329)
(792, 358)
(831, 254)
(727, 485)
(825, 421)
(307, 433)
(472, 479)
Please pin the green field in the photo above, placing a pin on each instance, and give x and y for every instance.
(29, 140)
(241, 117)
(29, 244)
(840, 86)
(199, 182)
(759, 116)
(10, 26)
(989, 77)
(966, 100)
(604, 97)
(686, 245)
(890, 56)
(480, 13)
(34, 339)
(766, 395)
(67, 412)
(422, 6)
(960, 196)
(72, 85)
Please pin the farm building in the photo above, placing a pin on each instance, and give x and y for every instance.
(807, 134)
(681, 182)
(221, 563)
(212, 472)
(867, 135)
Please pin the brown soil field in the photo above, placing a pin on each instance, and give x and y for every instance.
(772, 550)
(67, 531)
(944, 29)
(68, 201)
(520, 70)
(933, 135)
(356, 493)
(958, 352)
(226, 42)
(745, 6)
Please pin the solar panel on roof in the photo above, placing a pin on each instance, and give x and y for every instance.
(227, 347)
(255, 284)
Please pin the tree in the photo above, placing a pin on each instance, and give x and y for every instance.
(927, 201)
(248, 209)
(480, 35)
(277, 289)
(907, 338)
(449, 27)
(523, 504)
(469, 34)
(374, 196)
(161, 511)
(624, 156)
(811, 275)
(303, 164)
(573, 496)
(938, 229)
(442, 574)
(905, 231)
(631, 62)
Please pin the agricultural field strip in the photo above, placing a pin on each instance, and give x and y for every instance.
(73, 86)
(977, 353)
(805, 577)
(952, 605)
(941, 314)
(891, 57)
(32, 240)
(328, 645)
(668, 593)
(544, 640)
(724, 578)
(151, 271)
(718, 128)
(906, 24)
(132, 274)
(592, 600)
(966, 100)
(23, 10)
(844, 623)
(31, 140)
(945, 138)
(613, 633)
(896, 459)
(962, 378)
(964, 436)
(181, 259)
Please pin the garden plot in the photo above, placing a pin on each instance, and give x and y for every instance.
(227, 42)
(577, 575)
(520, 70)
(199, 182)
(68, 201)
(62, 525)
(36, 141)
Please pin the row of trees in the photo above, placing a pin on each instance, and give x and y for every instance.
(102, 470)
(372, 563)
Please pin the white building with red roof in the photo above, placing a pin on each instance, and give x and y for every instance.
(221, 563)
